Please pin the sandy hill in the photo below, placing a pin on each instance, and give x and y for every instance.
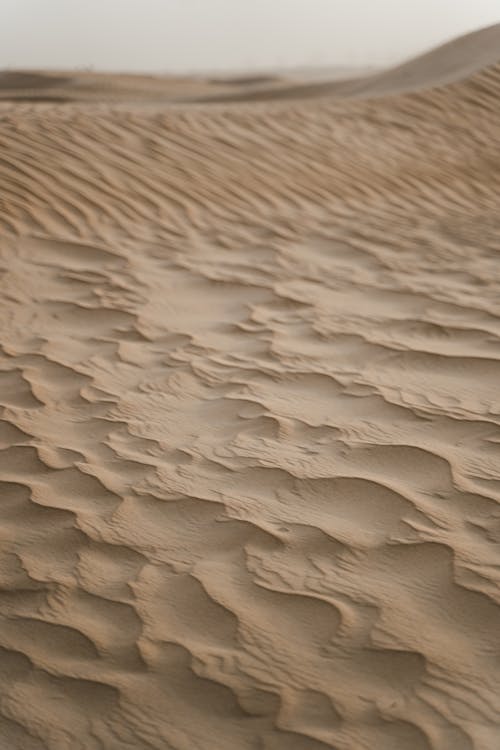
(449, 63)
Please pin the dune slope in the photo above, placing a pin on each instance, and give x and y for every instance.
(250, 422)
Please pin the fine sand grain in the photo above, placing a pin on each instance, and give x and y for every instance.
(250, 410)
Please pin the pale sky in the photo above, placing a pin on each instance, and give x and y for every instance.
(197, 35)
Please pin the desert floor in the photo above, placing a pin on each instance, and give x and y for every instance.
(250, 410)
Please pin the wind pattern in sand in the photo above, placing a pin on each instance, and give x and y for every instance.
(250, 420)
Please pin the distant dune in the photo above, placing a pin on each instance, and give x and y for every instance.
(250, 409)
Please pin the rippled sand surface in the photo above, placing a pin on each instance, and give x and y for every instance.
(250, 423)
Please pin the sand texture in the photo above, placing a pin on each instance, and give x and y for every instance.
(250, 413)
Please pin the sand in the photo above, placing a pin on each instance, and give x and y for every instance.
(250, 423)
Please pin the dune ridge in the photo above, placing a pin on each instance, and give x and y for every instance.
(250, 425)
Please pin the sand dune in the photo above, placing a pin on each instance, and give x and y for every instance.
(250, 423)
(87, 86)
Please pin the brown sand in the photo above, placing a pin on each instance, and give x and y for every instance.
(250, 426)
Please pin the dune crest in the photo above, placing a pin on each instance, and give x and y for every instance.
(250, 416)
